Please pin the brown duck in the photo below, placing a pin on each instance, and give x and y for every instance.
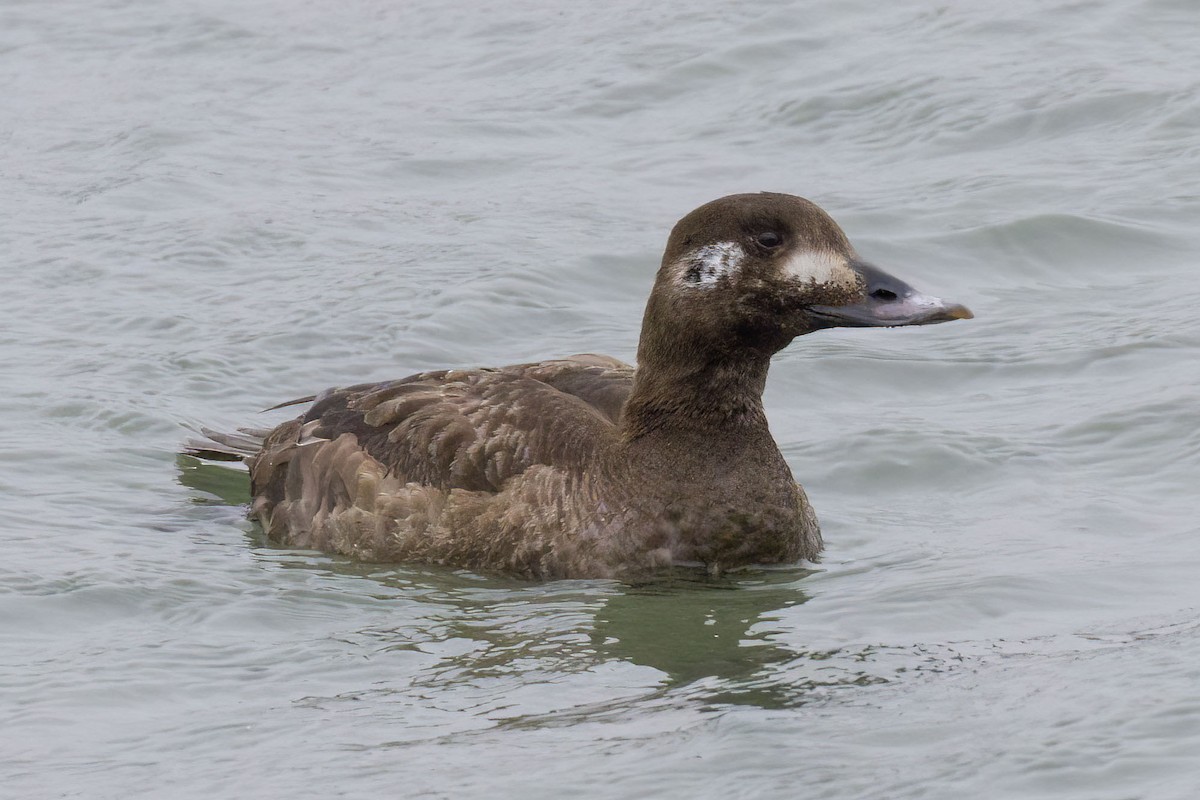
(586, 466)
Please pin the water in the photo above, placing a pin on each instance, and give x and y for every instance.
(212, 207)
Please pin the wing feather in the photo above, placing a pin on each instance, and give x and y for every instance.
(456, 429)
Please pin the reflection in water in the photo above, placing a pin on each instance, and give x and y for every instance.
(709, 639)
(229, 485)
(702, 631)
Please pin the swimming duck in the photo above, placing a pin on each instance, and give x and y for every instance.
(586, 466)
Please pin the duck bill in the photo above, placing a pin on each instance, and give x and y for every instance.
(888, 302)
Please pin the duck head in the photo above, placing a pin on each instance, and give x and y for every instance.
(748, 273)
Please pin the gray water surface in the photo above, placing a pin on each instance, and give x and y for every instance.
(212, 207)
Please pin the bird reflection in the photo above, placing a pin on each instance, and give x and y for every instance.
(710, 639)
(713, 635)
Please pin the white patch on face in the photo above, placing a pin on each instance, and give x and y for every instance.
(821, 267)
(706, 265)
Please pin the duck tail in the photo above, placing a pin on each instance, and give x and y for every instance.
(217, 446)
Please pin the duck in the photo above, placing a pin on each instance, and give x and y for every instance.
(586, 466)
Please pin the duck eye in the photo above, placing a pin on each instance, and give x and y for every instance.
(769, 239)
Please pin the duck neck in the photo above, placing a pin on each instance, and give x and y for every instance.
(717, 396)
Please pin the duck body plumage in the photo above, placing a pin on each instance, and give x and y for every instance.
(523, 470)
(585, 466)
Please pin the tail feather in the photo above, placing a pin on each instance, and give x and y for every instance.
(296, 402)
(217, 446)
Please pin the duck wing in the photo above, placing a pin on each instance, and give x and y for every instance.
(602, 382)
(460, 429)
